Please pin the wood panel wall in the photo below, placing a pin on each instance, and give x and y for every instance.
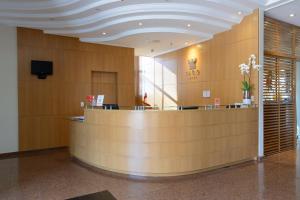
(45, 105)
(218, 61)
(105, 83)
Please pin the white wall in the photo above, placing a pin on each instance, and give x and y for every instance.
(8, 90)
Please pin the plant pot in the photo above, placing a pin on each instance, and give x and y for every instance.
(247, 98)
(247, 101)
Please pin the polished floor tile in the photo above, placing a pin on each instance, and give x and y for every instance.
(53, 175)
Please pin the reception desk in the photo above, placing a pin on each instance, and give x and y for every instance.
(165, 143)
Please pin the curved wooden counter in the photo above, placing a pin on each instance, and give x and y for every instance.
(165, 143)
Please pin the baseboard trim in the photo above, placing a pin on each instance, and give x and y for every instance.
(19, 154)
(160, 179)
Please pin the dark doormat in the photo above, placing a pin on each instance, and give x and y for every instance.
(105, 195)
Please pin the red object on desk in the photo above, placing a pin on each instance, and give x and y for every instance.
(90, 98)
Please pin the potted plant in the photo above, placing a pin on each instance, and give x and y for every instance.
(246, 83)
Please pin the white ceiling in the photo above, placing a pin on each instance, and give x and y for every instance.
(283, 11)
(152, 27)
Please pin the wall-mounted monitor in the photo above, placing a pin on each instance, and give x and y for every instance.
(41, 68)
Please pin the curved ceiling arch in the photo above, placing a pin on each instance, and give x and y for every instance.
(147, 30)
(160, 7)
(43, 5)
(101, 26)
(70, 12)
(197, 20)
(88, 6)
(133, 9)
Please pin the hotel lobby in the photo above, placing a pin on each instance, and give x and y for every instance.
(149, 99)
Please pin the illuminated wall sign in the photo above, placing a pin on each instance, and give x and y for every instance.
(193, 72)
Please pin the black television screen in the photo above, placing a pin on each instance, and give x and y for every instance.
(41, 68)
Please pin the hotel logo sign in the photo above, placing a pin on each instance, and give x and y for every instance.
(193, 72)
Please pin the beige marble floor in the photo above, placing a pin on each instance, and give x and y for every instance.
(53, 175)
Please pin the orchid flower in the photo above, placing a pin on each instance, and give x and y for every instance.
(257, 67)
(246, 69)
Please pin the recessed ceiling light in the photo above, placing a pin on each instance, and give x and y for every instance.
(186, 43)
(199, 45)
(240, 13)
(140, 24)
(292, 15)
(155, 41)
(189, 25)
(103, 33)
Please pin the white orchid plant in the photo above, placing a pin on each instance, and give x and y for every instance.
(246, 72)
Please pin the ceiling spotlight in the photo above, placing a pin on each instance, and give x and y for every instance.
(140, 24)
(240, 13)
(199, 45)
(103, 33)
(186, 43)
(292, 15)
(155, 41)
(189, 25)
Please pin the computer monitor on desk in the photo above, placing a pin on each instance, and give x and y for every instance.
(189, 107)
(111, 106)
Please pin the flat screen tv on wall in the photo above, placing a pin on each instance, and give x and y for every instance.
(41, 68)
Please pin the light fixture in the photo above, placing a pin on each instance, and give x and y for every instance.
(199, 45)
(103, 33)
(292, 15)
(189, 25)
(186, 43)
(140, 24)
(240, 13)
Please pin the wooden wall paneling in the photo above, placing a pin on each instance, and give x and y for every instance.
(218, 61)
(297, 43)
(105, 83)
(45, 105)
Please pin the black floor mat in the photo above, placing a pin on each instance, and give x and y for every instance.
(105, 195)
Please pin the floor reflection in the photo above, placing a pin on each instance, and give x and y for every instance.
(54, 176)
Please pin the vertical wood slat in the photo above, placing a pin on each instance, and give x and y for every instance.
(279, 86)
(297, 43)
